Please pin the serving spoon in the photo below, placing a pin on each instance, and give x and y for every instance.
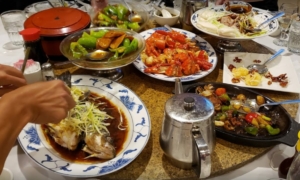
(258, 28)
(262, 68)
(98, 55)
(132, 16)
(254, 107)
(165, 13)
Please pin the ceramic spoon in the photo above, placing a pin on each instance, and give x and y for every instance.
(262, 68)
(258, 28)
(98, 55)
(164, 12)
(132, 17)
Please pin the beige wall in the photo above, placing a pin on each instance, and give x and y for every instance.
(289, 1)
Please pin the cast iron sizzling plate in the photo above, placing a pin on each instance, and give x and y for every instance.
(288, 127)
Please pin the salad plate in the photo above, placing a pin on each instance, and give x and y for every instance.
(259, 17)
(204, 45)
(35, 145)
(280, 65)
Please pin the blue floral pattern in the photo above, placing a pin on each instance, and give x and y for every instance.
(35, 145)
(33, 138)
(200, 42)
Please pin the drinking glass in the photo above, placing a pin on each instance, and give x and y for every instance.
(294, 171)
(285, 21)
(13, 23)
(294, 37)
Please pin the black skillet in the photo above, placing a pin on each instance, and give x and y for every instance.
(288, 127)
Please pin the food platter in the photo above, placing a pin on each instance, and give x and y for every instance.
(204, 45)
(280, 65)
(259, 17)
(34, 144)
(288, 127)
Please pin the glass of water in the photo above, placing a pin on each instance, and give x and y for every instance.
(285, 21)
(294, 37)
(13, 23)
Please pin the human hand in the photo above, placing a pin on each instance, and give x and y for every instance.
(220, 2)
(45, 102)
(10, 79)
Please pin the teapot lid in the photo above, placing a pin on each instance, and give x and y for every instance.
(58, 21)
(189, 107)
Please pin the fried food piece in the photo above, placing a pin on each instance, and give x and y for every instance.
(117, 41)
(113, 34)
(103, 43)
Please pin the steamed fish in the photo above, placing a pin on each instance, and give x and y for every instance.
(63, 136)
(99, 145)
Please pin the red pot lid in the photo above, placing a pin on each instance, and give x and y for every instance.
(58, 21)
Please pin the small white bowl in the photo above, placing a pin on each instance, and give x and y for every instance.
(168, 21)
(6, 174)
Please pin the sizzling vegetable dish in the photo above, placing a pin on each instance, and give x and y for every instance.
(117, 42)
(234, 115)
(94, 130)
(173, 54)
(116, 16)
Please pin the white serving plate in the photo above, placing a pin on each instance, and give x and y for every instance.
(280, 65)
(204, 45)
(33, 142)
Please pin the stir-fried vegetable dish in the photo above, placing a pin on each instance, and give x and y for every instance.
(116, 16)
(93, 129)
(116, 42)
(228, 24)
(173, 54)
(234, 114)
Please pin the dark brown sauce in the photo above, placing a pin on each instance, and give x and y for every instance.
(119, 137)
(239, 9)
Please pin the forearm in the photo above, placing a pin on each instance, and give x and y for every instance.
(13, 117)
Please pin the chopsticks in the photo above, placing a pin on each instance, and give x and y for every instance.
(50, 3)
(27, 51)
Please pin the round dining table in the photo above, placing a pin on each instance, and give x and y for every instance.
(261, 167)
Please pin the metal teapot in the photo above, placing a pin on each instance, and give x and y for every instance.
(188, 132)
(188, 8)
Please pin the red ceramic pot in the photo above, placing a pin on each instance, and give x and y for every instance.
(55, 25)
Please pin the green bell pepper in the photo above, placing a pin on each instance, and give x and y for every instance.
(77, 50)
(110, 10)
(272, 131)
(88, 42)
(120, 49)
(225, 108)
(103, 17)
(221, 116)
(116, 56)
(98, 34)
(126, 42)
(134, 26)
(121, 11)
(251, 130)
(131, 48)
(122, 26)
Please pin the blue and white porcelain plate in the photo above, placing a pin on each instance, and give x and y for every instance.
(204, 45)
(34, 144)
(260, 16)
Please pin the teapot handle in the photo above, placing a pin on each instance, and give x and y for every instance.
(201, 155)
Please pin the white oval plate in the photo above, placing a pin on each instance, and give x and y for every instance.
(204, 45)
(261, 16)
(37, 148)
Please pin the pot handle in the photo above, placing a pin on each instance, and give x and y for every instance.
(292, 137)
(201, 154)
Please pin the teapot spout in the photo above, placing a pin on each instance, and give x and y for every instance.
(178, 86)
